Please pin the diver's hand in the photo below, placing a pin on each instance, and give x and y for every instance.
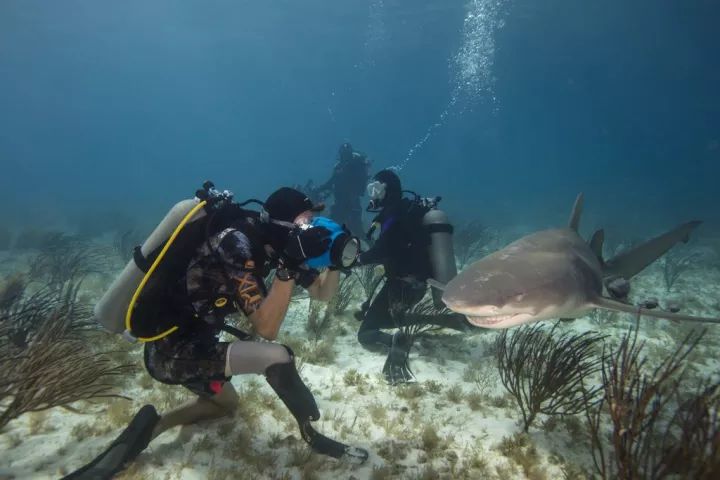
(309, 243)
(292, 269)
(397, 368)
(305, 277)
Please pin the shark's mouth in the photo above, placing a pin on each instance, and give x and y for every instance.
(490, 320)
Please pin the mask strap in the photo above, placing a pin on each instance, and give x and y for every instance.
(283, 223)
(264, 215)
(265, 218)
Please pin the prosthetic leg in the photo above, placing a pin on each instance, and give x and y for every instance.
(285, 380)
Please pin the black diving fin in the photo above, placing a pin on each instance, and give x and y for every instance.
(126, 447)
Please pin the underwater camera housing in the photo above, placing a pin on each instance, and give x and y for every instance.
(344, 248)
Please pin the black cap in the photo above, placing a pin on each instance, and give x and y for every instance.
(287, 203)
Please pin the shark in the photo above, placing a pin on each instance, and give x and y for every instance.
(555, 273)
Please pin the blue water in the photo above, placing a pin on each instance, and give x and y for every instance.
(121, 108)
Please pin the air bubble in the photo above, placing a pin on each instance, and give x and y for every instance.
(471, 67)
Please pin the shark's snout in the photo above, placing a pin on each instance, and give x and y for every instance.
(486, 315)
(470, 307)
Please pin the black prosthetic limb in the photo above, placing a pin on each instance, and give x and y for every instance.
(285, 380)
(131, 442)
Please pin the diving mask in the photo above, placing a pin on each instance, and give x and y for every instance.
(376, 191)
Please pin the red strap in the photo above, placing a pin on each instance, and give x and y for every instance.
(216, 386)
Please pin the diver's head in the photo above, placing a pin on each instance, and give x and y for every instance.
(345, 152)
(384, 190)
(284, 209)
(287, 205)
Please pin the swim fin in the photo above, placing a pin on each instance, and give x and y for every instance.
(327, 446)
(133, 440)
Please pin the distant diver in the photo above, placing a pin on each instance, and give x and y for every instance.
(205, 260)
(347, 185)
(414, 246)
(557, 274)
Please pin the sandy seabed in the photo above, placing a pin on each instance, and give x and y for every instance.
(456, 421)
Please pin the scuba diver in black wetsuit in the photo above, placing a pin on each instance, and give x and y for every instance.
(205, 260)
(414, 245)
(347, 184)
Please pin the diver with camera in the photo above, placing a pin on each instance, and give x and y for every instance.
(205, 260)
(415, 247)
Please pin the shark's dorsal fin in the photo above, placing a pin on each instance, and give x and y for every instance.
(610, 304)
(633, 261)
(596, 244)
(574, 222)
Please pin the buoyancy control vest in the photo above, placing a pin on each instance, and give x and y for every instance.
(434, 224)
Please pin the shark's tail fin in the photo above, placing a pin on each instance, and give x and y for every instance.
(632, 262)
(574, 222)
(610, 304)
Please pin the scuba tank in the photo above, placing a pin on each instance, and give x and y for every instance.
(115, 309)
(111, 310)
(441, 250)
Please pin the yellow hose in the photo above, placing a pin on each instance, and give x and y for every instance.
(150, 271)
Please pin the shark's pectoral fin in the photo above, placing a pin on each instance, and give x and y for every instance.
(435, 284)
(610, 304)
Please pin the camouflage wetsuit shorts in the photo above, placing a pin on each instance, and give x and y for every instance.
(196, 362)
(193, 357)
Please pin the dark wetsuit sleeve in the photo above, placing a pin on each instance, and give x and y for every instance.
(330, 183)
(234, 250)
(326, 186)
(378, 253)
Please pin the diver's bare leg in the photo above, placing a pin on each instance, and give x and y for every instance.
(223, 404)
(242, 358)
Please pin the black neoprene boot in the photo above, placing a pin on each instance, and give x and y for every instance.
(285, 380)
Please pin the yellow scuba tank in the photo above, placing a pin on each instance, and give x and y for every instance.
(114, 309)
(441, 250)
